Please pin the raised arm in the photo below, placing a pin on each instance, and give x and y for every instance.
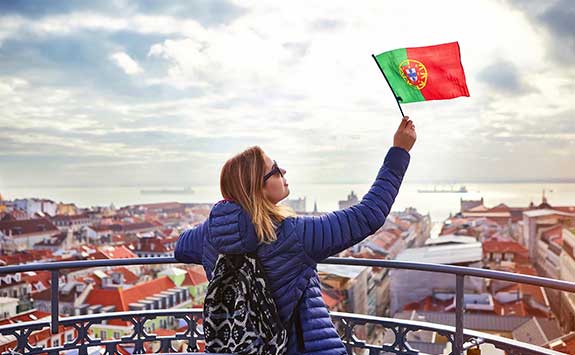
(334, 232)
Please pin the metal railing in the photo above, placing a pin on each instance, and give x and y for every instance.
(460, 338)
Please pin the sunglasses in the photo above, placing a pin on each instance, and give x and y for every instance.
(275, 170)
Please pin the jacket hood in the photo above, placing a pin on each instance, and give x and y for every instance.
(231, 230)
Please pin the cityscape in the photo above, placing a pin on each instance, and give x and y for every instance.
(123, 123)
(537, 240)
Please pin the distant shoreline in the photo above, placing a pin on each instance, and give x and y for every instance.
(419, 182)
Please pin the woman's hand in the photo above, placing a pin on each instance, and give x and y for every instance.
(405, 135)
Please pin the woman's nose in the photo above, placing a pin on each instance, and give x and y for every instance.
(283, 171)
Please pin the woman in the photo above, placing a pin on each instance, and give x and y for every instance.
(289, 247)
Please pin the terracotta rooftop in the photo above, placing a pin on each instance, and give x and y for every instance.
(27, 226)
(129, 277)
(26, 256)
(35, 277)
(116, 252)
(65, 217)
(30, 316)
(101, 227)
(138, 226)
(533, 300)
(553, 233)
(156, 244)
(36, 336)
(330, 300)
(195, 277)
(121, 298)
(54, 240)
(567, 209)
(500, 208)
(494, 246)
(564, 344)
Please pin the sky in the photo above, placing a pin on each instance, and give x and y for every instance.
(125, 92)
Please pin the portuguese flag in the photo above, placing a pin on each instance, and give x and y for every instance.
(424, 73)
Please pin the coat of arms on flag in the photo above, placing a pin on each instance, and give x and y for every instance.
(414, 73)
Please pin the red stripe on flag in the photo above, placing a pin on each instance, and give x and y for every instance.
(445, 76)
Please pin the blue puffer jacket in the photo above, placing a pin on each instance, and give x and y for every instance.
(290, 261)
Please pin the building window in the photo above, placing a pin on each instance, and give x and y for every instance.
(116, 335)
(497, 257)
(56, 342)
(69, 338)
(102, 334)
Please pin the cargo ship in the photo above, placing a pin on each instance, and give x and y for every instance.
(461, 190)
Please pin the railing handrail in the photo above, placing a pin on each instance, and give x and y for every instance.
(65, 321)
(358, 318)
(389, 264)
(459, 271)
(423, 325)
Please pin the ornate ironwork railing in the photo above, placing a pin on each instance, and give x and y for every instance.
(141, 340)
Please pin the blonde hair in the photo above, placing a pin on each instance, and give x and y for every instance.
(242, 181)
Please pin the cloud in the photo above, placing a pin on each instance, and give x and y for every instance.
(81, 61)
(558, 19)
(504, 77)
(207, 12)
(298, 49)
(211, 78)
(126, 63)
(327, 24)
(36, 10)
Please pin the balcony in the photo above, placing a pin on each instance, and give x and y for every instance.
(142, 340)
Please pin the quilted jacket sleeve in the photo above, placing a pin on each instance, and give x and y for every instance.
(189, 248)
(326, 235)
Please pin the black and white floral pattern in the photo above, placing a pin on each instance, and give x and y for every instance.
(240, 315)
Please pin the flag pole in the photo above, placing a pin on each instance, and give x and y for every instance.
(387, 81)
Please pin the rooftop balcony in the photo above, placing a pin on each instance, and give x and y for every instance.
(142, 339)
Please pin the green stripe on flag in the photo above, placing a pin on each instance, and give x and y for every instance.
(389, 63)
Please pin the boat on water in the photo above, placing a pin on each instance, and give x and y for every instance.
(461, 190)
(184, 191)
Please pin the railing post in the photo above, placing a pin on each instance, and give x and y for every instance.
(54, 300)
(458, 344)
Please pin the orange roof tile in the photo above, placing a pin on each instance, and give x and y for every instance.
(500, 208)
(330, 301)
(565, 344)
(117, 252)
(32, 315)
(495, 246)
(129, 277)
(554, 233)
(195, 277)
(27, 226)
(121, 298)
(568, 209)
